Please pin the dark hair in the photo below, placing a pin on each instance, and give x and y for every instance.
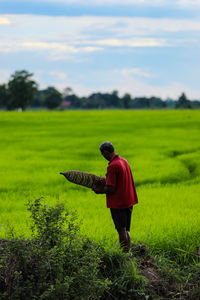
(108, 146)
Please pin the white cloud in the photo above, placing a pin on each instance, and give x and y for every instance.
(139, 26)
(90, 49)
(44, 45)
(53, 51)
(56, 57)
(59, 47)
(59, 75)
(137, 42)
(4, 21)
(136, 72)
(61, 38)
(45, 29)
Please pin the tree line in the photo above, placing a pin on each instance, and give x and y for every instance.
(21, 91)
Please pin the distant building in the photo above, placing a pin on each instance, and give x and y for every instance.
(66, 104)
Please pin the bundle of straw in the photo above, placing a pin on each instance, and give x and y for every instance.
(86, 179)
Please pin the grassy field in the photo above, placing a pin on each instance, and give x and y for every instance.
(162, 147)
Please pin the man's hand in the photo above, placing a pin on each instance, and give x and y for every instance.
(98, 190)
(106, 189)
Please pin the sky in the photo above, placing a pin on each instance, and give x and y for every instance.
(141, 47)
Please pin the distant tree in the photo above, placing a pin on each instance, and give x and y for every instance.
(170, 103)
(83, 102)
(99, 100)
(52, 98)
(140, 102)
(155, 102)
(21, 89)
(38, 100)
(67, 91)
(151, 103)
(96, 100)
(183, 102)
(114, 99)
(75, 100)
(126, 100)
(195, 104)
(3, 95)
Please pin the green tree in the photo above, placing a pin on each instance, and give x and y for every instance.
(3, 95)
(114, 99)
(67, 91)
(183, 102)
(140, 102)
(38, 100)
(155, 102)
(126, 100)
(170, 103)
(53, 98)
(21, 89)
(195, 104)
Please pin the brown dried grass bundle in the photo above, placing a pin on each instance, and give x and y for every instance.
(86, 179)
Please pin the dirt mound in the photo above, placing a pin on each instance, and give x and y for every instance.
(160, 283)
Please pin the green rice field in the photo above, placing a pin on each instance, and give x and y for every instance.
(162, 148)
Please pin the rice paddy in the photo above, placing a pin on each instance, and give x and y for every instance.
(162, 148)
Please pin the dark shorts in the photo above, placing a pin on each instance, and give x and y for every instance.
(122, 217)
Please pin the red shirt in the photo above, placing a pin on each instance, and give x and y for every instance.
(119, 175)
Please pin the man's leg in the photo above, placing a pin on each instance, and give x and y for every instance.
(129, 239)
(122, 220)
(128, 225)
(124, 239)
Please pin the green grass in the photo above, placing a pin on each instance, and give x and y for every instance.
(162, 147)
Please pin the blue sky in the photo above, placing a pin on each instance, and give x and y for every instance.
(145, 48)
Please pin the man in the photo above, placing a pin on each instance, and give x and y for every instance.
(120, 193)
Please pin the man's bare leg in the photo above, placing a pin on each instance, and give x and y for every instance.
(129, 239)
(124, 239)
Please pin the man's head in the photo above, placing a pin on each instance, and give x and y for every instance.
(107, 150)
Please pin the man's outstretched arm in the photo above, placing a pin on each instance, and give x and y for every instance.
(106, 189)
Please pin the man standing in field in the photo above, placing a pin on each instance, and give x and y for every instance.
(120, 193)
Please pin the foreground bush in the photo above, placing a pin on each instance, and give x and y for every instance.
(58, 263)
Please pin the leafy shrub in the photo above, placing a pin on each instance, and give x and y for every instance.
(58, 263)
